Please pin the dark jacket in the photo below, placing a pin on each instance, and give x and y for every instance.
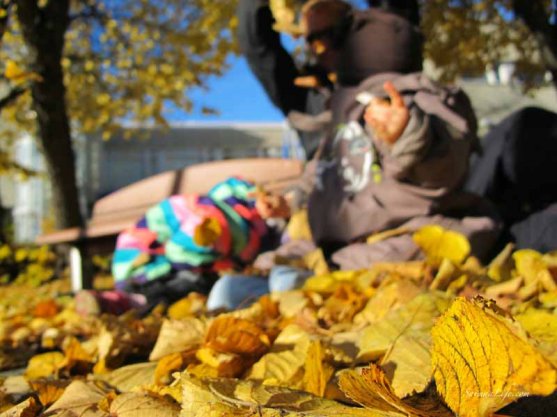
(363, 186)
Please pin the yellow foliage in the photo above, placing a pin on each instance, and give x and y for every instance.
(402, 342)
(541, 326)
(482, 361)
(44, 365)
(126, 66)
(129, 377)
(438, 243)
(284, 364)
(228, 397)
(188, 306)
(532, 266)
(500, 267)
(178, 336)
(317, 371)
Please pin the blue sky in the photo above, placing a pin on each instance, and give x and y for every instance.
(237, 95)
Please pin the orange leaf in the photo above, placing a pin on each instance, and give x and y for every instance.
(49, 390)
(233, 335)
(46, 309)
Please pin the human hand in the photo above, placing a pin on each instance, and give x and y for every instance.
(387, 119)
(271, 205)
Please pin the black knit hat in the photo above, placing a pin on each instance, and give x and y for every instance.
(378, 42)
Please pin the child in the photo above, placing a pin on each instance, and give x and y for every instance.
(180, 245)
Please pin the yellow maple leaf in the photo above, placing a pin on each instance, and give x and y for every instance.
(186, 307)
(403, 342)
(129, 377)
(532, 266)
(499, 269)
(178, 336)
(482, 361)
(283, 364)
(541, 326)
(317, 371)
(44, 365)
(438, 243)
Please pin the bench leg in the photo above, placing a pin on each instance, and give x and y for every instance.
(80, 269)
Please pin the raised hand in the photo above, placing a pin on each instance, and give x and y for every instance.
(271, 205)
(387, 119)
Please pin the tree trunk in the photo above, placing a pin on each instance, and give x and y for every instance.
(43, 29)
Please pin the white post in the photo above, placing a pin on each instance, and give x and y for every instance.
(76, 269)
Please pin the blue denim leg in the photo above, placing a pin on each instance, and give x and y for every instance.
(233, 291)
(286, 278)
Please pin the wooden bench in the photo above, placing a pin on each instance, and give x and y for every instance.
(122, 208)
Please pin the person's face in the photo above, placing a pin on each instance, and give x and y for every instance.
(316, 29)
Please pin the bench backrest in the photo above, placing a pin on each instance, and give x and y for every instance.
(122, 208)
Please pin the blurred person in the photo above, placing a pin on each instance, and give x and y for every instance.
(301, 92)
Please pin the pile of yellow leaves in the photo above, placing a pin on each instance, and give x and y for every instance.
(444, 336)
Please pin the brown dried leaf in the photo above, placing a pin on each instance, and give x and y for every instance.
(228, 397)
(79, 399)
(49, 390)
(225, 364)
(128, 377)
(28, 408)
(229, 334)
(172, 363)
(178, 336)
(371, 389)
(133, 404)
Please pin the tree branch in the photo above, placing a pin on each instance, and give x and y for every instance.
(11, 96)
